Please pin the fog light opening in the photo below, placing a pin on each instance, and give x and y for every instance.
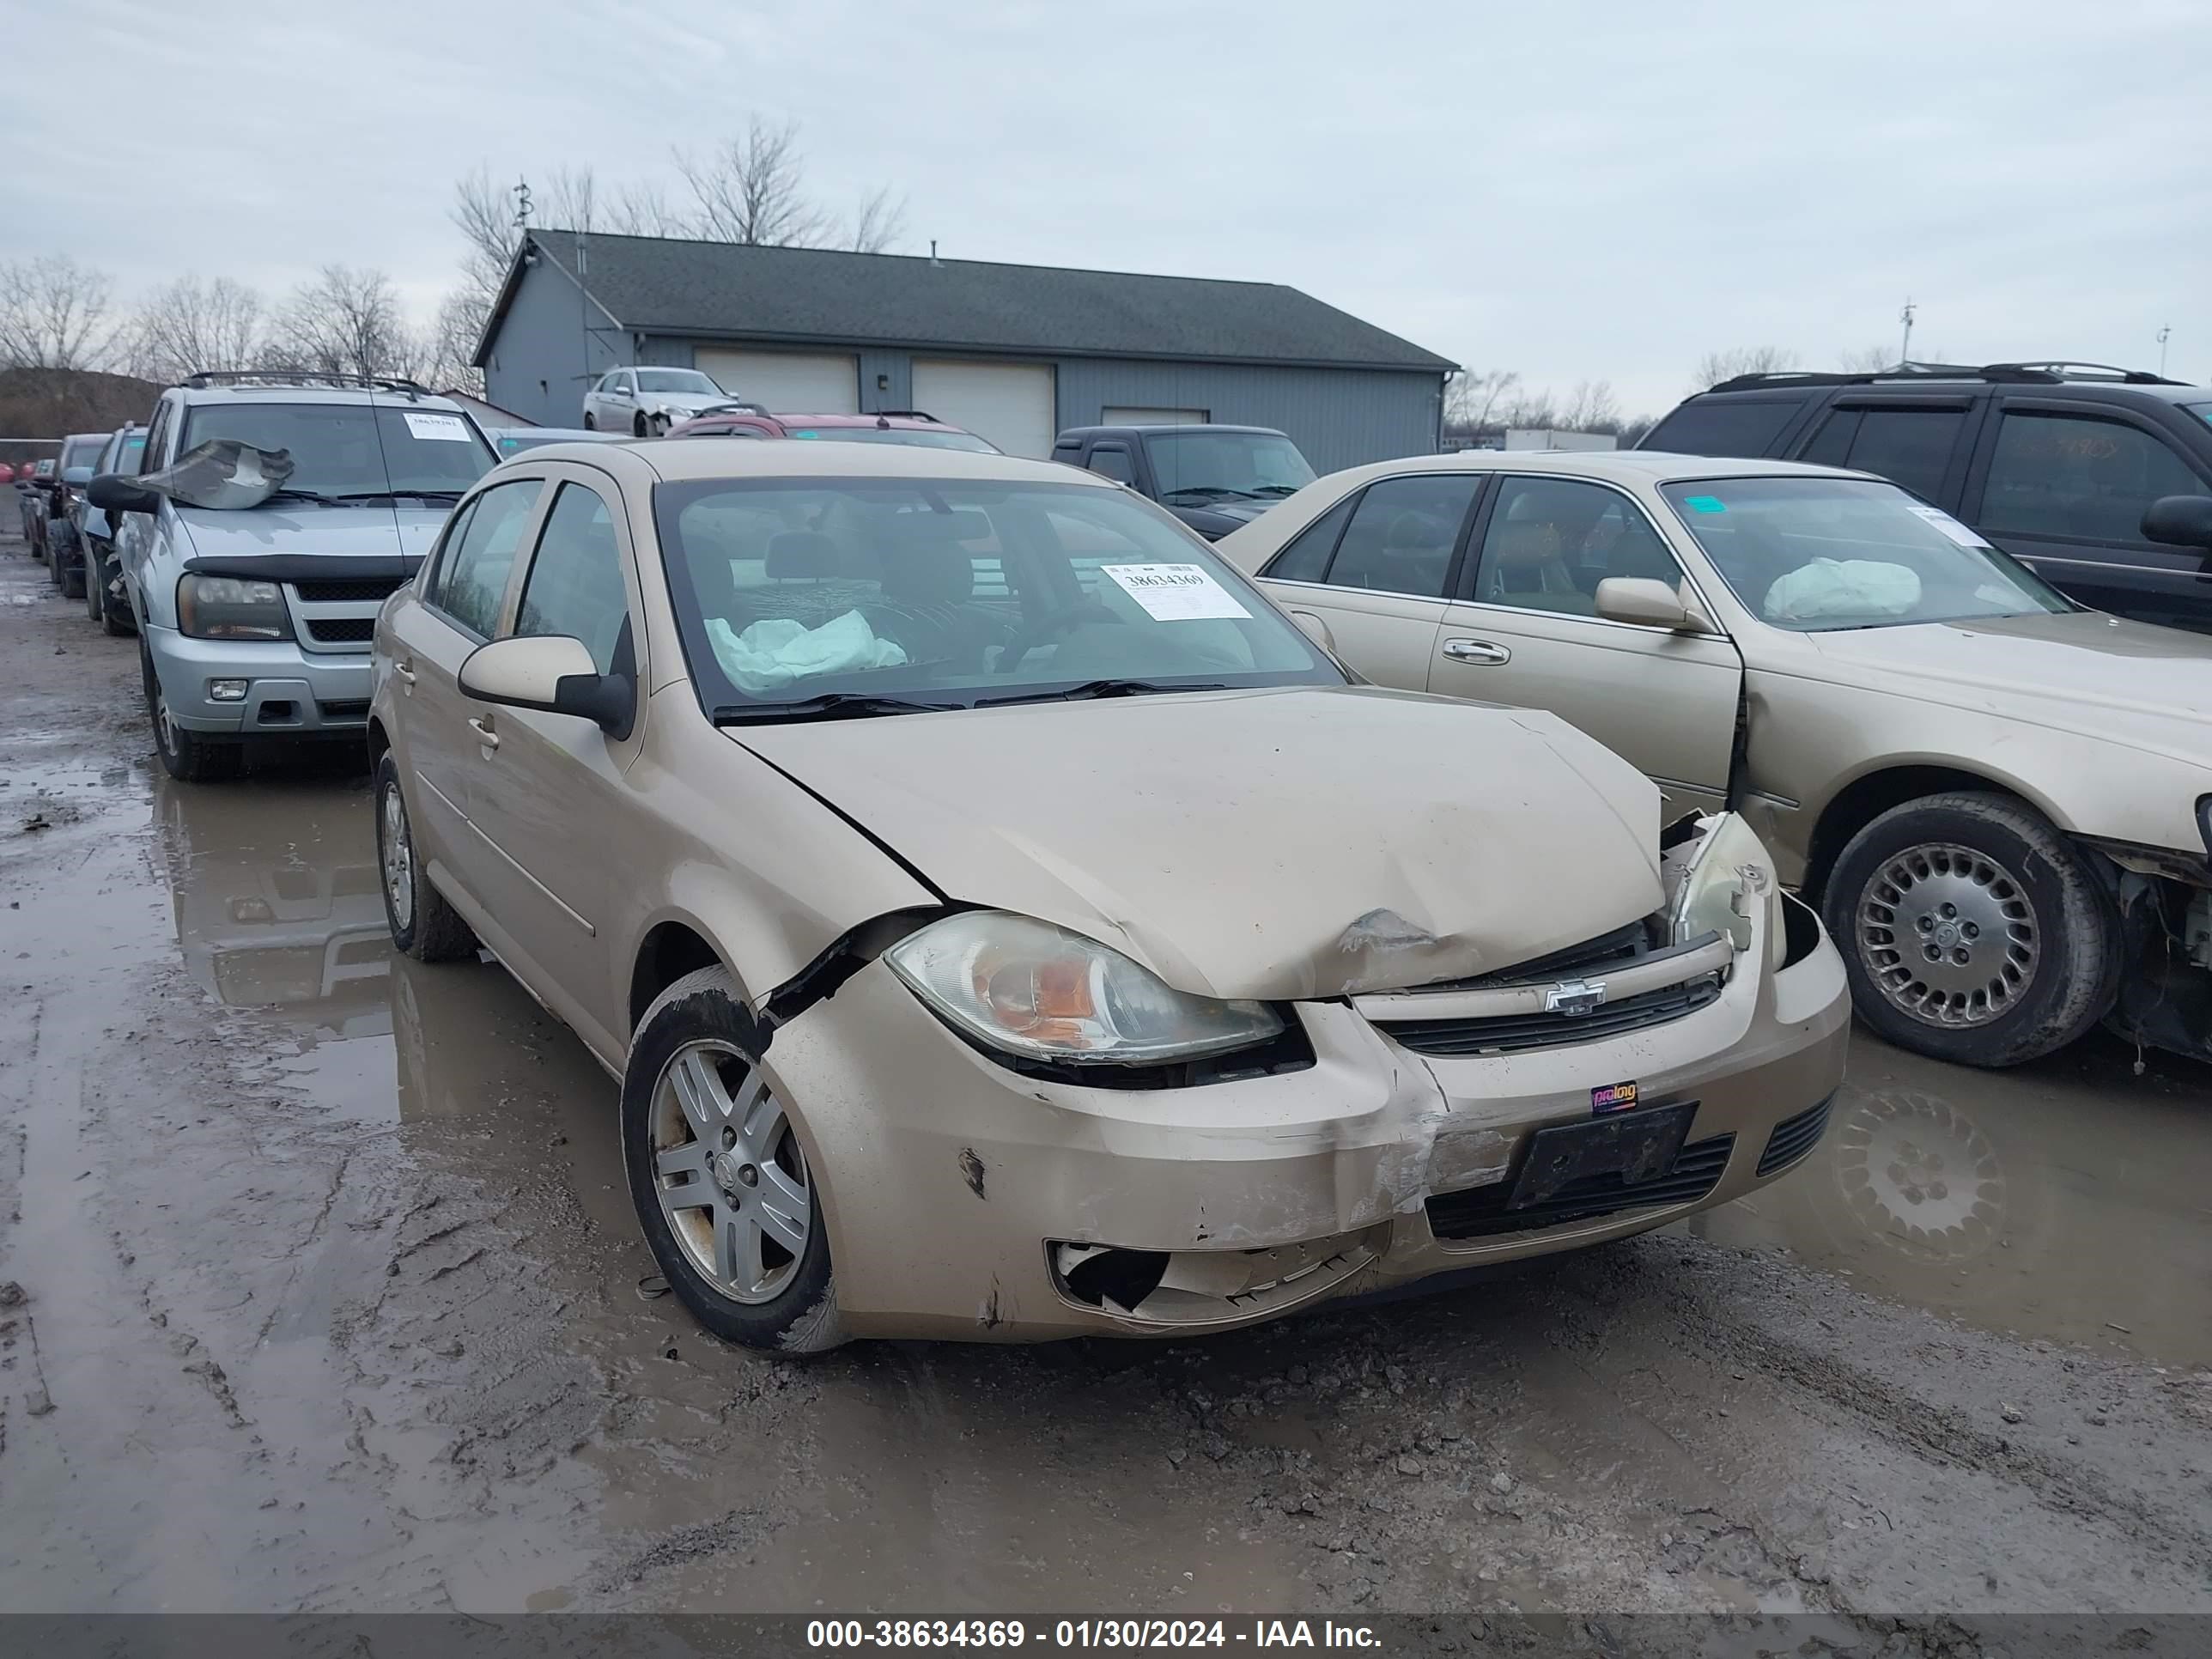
(228, 691)
(1098, 1275)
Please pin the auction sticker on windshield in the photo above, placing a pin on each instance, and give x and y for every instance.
(1175, 592)
(442, 428)
(1949, 526)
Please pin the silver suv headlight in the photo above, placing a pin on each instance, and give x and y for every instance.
(231, 608)
(1028, 987)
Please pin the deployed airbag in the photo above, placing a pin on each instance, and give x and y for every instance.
(1848, 588)
(771, 654)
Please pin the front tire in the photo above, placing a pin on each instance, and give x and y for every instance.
(1974, 930)
(719, 1176)
(637, 425)
(423, 925)
(590, 424)
(96, 586)
(188, 757)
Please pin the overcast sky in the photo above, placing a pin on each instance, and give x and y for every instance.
(1577, 191)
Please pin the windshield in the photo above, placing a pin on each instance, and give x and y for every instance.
(2202, 411)
(353, 449)
(954, 592)
(82, 452)
(678, 379)
(1202, 465)
(894, 435)
(1815, 554)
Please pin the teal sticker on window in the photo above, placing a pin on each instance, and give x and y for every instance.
(802, 435)
(1705, 503)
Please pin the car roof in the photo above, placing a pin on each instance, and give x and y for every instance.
(382, 397)
(1645, 466)
(1173, 426)
(676, 460)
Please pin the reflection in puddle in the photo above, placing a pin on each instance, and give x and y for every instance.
(2024, 1200)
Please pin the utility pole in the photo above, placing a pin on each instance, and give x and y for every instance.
(2162, 334)
(1904, 351)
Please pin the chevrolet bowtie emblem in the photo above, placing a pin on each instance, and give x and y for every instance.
(1574, 996)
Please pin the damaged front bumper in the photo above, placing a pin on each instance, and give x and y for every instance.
(967, 1200)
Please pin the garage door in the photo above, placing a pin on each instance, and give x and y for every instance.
(801, 382)
(1009, 404)
(1155, 418)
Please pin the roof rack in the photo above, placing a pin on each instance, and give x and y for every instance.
(2054, 372)
(883, 415)
(200, 379)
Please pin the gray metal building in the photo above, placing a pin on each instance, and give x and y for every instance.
(1014, 352)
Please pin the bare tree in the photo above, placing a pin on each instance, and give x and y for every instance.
(1471, 395)
(450, 350)
(54, 314)
(1867, 360)
(485, 213)
(192, 325)
(880, 221)
(1593, 408)
(1717, 366)
(751, 190)
(345, 322)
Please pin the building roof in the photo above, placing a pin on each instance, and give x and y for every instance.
(657, 285)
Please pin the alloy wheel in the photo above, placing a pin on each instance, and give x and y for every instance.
(1947, 935)
(398, 855)
(731, 1179)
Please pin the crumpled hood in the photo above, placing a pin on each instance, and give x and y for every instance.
(379, 530)
(685, 403)
(1290, 842)
(2081, 672)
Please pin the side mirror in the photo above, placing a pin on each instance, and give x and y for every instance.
(116, 492)
(2180, 520)
(553, 674)
(1652, 604)
(77, 476)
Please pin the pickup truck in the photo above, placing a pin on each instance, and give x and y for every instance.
(1214, 478)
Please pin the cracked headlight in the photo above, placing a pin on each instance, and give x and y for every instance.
(231, 608)
(1716, 879)
(1028, 987)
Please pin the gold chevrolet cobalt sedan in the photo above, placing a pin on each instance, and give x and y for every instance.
(1005, 924)
(2002, 801)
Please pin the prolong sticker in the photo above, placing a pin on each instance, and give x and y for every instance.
(439, 428)
(1175, 592)
(1949, 526)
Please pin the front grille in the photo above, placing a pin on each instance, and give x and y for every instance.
(368, 590)
(1794, 1137)
(341, 630)
(1480, 1211)
(1509, 1033)
(1621, 948)
(348, 709)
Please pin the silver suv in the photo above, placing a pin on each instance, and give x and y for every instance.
(254, 621)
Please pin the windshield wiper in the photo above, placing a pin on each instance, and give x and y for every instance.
(1208, 492)
(288, 494)
(1090, 689)
(396, 495)
(830, 706)
(1278, 489)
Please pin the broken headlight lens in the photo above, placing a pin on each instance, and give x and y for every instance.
(1030, 987)
(1724, 872)
(231, 608)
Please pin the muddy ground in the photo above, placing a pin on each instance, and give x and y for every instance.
(330, 1299)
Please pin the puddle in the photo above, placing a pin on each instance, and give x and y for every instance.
(2026, 1201)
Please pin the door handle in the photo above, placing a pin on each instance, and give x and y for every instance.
(1477, 650)
(480, 725)
(405, 669)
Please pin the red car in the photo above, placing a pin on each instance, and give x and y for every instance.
(891, 426)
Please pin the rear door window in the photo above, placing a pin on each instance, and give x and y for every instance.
(1909, 447)
(1403, 534)
(2074, 477)
(1306, 559)
(1724, 426)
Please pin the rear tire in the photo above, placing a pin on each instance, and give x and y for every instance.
(698, 1030)
(94, 587)
(70, 574)
(1972, 930)
(188, 756)
(423, 925)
